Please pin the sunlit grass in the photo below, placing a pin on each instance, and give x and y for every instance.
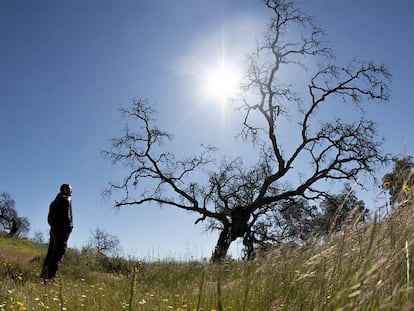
(155, 286)
(364, 267)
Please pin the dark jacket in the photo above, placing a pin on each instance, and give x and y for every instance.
(60, 214)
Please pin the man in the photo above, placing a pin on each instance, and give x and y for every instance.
(61, 224)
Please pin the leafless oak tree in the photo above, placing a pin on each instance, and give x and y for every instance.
(236, 199)
(103, 242)
(9, 219)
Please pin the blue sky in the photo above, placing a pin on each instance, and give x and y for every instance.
(67, 66)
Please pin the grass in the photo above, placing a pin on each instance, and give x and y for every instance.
(365, 267)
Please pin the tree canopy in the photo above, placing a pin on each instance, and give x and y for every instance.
(399, 182)
(336, 210)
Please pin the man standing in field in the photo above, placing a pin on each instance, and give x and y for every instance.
(61, 224)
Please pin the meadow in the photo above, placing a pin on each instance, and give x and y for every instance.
(363, 267)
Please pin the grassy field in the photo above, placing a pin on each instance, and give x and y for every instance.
(365, 267)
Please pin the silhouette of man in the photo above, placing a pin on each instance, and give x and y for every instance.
(61, 224)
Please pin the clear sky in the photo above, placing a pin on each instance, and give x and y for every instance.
(67, 66)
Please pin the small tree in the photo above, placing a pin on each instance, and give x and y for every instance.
(291, 222)
(9, 219)
(400, 181)
(38, 237)
(104, 243)
(336, 210)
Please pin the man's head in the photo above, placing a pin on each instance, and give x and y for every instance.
(66, 189)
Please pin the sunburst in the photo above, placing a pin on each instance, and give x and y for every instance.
(222, 83)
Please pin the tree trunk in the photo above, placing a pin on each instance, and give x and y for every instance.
(249, 253)
(222, 246)
(14, 228)
(237, 228)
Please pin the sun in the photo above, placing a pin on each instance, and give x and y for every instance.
(222, 82)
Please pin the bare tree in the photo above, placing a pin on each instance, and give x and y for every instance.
(104, 243)
(9, 219)
(38, 237)
(238, 199)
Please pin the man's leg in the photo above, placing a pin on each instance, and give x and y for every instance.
(58, 252)
(46, 262)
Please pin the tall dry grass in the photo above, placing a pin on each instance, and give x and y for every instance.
(363, 267)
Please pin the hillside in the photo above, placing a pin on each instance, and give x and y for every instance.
(365, 267)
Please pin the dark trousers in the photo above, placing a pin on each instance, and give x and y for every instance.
(57, 247)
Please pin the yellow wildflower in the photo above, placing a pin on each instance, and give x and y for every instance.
(386, 184)
(21, 305)
(406, 188)
(44, 305)
(170, 308)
